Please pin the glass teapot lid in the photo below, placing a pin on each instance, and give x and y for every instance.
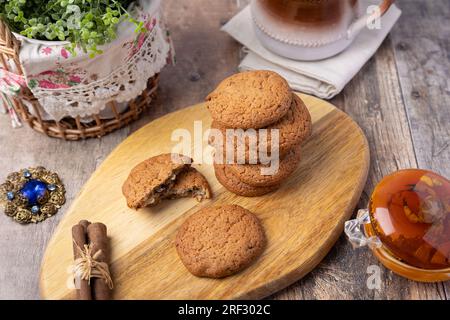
(409, 217)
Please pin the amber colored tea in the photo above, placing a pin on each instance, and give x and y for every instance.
(318, 12)
(410, 213)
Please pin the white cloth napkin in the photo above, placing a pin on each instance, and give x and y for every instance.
(325, 78)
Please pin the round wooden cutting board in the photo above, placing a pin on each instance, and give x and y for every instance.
(302, 219)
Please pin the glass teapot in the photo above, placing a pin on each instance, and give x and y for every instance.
(407, 225)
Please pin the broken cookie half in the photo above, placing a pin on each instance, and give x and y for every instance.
(190, 183)
(166, 176)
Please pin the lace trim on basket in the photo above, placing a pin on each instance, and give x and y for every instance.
(122, 85)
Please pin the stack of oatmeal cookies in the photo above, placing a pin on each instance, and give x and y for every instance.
(258, 125)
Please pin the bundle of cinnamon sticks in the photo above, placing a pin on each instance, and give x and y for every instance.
(91, 254)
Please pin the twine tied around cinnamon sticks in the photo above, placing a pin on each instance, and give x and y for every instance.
(87, 267)
(91, 258)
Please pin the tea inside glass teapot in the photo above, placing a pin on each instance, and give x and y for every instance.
(407, 224)
(410, 213)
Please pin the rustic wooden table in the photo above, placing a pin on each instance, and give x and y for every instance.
(400, 99)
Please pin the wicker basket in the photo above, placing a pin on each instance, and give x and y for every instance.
(69, 128)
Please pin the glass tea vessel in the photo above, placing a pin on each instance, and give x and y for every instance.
(407, 225)
(312, 29)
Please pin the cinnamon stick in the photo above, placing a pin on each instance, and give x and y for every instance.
(97, 236)
(85, 224)
(79, 236)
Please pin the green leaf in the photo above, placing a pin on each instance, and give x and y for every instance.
(85, 23)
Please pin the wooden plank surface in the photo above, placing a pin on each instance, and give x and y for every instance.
(421, 48)
(400, 99)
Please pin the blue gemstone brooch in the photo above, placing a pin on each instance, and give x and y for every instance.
(32, 195)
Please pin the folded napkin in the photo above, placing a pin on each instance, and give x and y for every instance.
(325, 78)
